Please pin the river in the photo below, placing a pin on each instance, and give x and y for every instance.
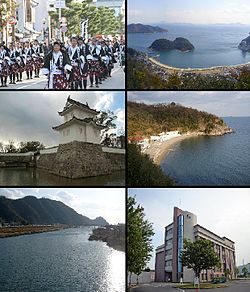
(60, 261)
(38, 177)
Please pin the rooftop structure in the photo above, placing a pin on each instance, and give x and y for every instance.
(79, 124)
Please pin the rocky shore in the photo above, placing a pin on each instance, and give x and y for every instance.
(113, 235)
(11, 231)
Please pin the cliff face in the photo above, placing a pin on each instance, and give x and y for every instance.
(245, 45)
(141, 28)
(181, 44)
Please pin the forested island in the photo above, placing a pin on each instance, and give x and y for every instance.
(179, 43)
(142, 28)
(113, 235)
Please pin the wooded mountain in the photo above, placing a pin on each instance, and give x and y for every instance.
(142, 28)
(146, 120)
(31, 210)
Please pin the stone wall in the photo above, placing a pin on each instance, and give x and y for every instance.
(17, 160)
(80, 159)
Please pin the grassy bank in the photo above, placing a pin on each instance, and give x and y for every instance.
(202, 286)
(29, 229)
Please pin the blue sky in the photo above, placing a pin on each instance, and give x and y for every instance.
(220, 103)
(189, 11)
(222, 211)
(86, 201)
(26, 116)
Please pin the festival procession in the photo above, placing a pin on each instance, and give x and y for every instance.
(53, 44)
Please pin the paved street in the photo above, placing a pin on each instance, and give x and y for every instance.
(236, 286)
(117, 81)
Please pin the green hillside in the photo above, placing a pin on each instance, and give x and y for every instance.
(31, 210)
(146, 120)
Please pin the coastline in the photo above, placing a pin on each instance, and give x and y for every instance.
(214, 69)
(158, 151)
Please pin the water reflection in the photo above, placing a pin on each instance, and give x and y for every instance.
(38, 177)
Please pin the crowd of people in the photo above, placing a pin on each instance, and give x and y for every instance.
(76, 64)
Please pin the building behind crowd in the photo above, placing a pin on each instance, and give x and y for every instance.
(168, 266)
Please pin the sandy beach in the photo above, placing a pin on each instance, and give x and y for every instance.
(159, 150)
(215, 69)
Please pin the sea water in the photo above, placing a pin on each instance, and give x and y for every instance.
(215, 45)
(212, 161)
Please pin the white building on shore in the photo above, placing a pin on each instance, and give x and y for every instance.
(164, 136)
(79, 123)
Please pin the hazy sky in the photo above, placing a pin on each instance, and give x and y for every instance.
(86, 201)
(222, 211)
(189, 11)
(220, 103)
(30, 116)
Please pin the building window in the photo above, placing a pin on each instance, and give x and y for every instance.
(80, 130)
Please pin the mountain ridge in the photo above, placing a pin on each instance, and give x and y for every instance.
(144, 28)
(31, 210)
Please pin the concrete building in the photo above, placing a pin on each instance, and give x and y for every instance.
(168, 266)
(79, 123)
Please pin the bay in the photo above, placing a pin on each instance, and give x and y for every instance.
(215, 45)
(212, 161)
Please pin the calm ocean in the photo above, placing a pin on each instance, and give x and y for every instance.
(215, 45)
(213, 161)
(60, 261)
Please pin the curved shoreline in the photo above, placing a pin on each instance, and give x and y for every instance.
(158, 151)
(214, 69)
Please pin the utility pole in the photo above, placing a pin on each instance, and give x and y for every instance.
(60, 16)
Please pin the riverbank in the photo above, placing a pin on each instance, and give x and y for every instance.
(29, 229)
(113, 235)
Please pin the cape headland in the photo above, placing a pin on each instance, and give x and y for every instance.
(179, 43)
(245, 44)
(142, 28)
(155, 125)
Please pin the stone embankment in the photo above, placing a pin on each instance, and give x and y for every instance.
(80, 159)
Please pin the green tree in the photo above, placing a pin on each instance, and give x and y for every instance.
(199, 255)
(11, 148)
(102, 20)
(106, 119)
(139, 237)
(245, 272)
(30, 146)
(142, 171)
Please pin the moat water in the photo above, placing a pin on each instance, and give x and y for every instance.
(60, 261)
(215, 45)
(37, 177)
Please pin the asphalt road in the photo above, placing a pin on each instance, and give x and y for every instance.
(117, 81)
(235, 286)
